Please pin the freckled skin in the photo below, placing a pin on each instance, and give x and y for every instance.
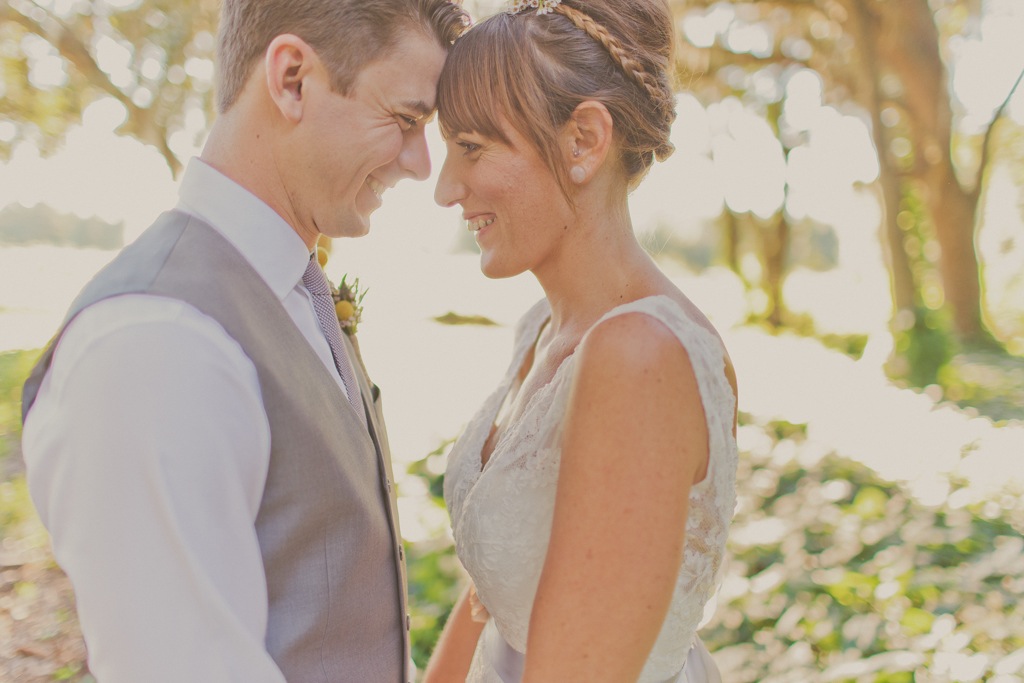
(633, 392)
(493, 180)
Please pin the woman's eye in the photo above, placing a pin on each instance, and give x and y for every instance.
(470, 147)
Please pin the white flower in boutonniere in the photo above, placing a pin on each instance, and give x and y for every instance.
(348, 299)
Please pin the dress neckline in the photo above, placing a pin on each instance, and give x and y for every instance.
(520, 357)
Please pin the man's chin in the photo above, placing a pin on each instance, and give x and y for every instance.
(362, 229)
(357, 226)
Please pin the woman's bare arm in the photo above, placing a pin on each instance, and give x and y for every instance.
(635, 441)
(449, 663)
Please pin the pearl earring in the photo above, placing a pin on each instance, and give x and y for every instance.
(577, 174)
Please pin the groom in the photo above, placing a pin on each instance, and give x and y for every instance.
(201, 442)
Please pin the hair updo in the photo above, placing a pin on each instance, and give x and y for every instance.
(534, 69)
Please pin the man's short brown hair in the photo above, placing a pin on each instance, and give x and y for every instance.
(346, 34)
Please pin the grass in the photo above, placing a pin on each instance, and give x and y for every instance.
(14, 368)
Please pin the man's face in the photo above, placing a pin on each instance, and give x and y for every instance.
(349, 149)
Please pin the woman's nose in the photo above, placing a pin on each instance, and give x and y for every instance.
(448, 191)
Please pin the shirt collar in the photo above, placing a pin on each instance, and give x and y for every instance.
(266, 240)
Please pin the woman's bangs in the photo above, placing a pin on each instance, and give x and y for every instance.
(472, 93)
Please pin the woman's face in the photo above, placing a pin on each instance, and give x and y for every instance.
(510, 199)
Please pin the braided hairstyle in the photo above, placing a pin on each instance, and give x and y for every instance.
(532, 70)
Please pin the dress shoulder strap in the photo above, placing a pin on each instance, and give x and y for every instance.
(526, 331)
(707, 356)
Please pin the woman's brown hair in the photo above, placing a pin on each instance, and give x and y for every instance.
(532, 70)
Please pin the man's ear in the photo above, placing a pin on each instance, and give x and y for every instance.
(288, 61)
(589, 137)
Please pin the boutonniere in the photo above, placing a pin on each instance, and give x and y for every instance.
(348, 304)
(348, 298)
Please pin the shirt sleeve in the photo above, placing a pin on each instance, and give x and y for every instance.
(147, 453)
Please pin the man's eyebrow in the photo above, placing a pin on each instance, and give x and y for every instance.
(418, 106)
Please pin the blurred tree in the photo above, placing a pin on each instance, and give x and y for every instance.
(154, 57)
(42, 224)
(776, 237)
(883, 58)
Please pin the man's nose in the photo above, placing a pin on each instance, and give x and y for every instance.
(415, 157)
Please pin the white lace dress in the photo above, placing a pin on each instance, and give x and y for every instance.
(501, 515)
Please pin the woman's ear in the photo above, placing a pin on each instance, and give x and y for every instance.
(288, 62)
(589, 136)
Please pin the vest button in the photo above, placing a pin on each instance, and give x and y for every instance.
(408, 622)
(401, 553)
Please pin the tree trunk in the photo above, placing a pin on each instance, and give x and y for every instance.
(954, 215)
(775, 249)
(731, 247)
(901, 276)
(902, 284)
(909, 45)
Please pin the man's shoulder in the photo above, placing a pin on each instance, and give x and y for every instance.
(131, 320)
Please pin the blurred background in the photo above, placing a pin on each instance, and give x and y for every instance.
(845, 203)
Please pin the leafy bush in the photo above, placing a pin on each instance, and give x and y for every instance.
(834, 575)
(14, 368)
(838, 575)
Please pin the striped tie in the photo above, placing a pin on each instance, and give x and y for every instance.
(316, 282)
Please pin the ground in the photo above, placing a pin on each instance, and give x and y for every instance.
(39, 635)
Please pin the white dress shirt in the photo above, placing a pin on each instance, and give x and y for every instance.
(147, 451)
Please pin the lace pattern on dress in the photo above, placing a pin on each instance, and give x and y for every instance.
(501, 514)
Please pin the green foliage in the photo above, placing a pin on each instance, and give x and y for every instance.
(434, 586)
(153, 57)
(923, 348)
(834, 574)
(838, 575)
(14, 368)
(15, 505)
(803, 324)
(852, 345)
(434, 571)
(69, 672)
(924, 335)
(989, 381)
(44, 114)
(452, 318)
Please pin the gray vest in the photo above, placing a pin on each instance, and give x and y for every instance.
(327, 523)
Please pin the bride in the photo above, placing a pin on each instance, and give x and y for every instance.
(591, 494)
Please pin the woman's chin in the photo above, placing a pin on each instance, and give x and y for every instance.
(495, 270)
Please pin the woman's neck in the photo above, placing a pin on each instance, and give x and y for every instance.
(599, 265)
